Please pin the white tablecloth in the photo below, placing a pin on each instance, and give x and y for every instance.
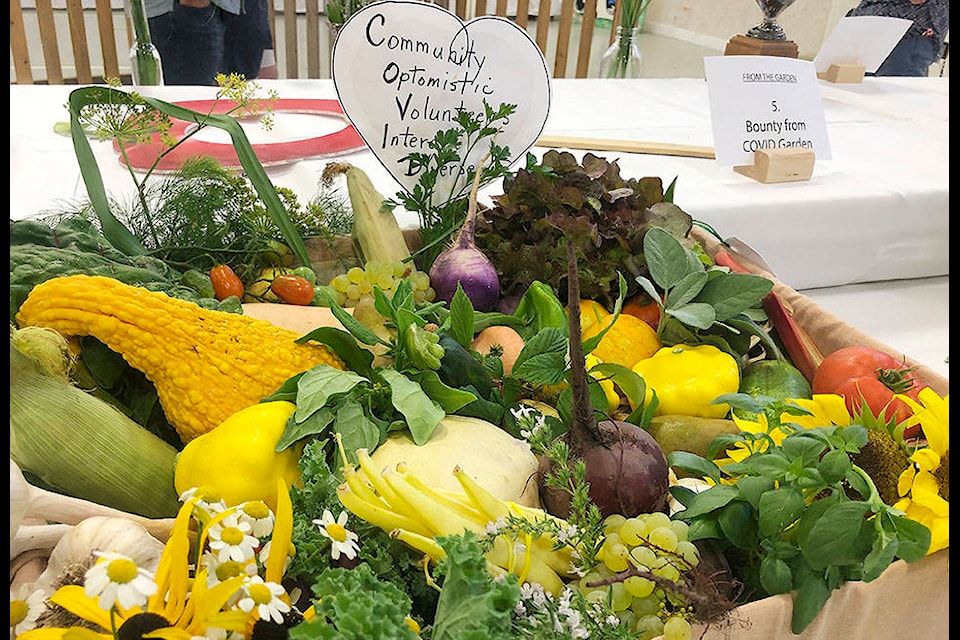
(877, 212)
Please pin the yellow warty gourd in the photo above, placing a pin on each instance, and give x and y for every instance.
(206, 365)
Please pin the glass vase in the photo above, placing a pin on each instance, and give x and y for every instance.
(145, 66)
(623, 59)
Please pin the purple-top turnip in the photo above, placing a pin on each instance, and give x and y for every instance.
(625, 467)
(464, 264)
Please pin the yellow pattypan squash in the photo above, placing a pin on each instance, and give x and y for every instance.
(629, 340)
(237, 458)
(688, 378)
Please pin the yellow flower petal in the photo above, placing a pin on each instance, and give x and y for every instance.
(72, 598)
(282, 533)
(169, 633)
(905, 481)
(826, 409)
(926, 459)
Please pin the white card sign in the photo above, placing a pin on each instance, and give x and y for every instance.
(403, 69)
(764, 102)
(862, 40)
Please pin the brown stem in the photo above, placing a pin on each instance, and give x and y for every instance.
(583, 422)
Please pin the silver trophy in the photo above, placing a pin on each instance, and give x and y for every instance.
(769, 29)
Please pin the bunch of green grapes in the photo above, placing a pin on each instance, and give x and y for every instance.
(650, 542)
(348, 287)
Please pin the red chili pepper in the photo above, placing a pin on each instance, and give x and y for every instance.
(293, 289)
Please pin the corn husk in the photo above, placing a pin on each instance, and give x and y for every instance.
(82, 446)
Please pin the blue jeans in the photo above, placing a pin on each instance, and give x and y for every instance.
(196, 44)
(912, 56)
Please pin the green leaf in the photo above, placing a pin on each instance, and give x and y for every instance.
(812, 594)
(738, 522)
(666, 258)
(734, 293)
(461, 317)
(695, 314)
(421, 413)
(716, 497)
(914, 539)
(355, 358)
(694, 465)
(882, 553)
(775, 576)
(356, 430)
(450, 400)
(356, 328)
(319, 384)
(832, 538)
(834, 465)
(686, 289)
(779, 509)
(315, 424)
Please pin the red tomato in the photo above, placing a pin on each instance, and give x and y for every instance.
(293, 289)
(862, 373)
(226, 283)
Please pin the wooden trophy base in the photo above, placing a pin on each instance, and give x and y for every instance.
(741, 45)
(843, 73)
(789, 164)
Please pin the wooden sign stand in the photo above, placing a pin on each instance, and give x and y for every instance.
(741, 45)
(849, 73)
(790, 164)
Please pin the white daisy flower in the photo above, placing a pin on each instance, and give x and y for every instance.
(218, 571)
(26, 605)
(264, 554)
(230, 539)
(259, 515)
(265, 596)
(116, 580)
(209, 502)
(342, 539)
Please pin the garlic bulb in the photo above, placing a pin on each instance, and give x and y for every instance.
(105, 534)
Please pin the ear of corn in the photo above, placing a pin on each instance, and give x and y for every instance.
(375, 228)
(206, 365)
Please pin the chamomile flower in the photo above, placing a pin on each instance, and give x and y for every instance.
(259, 515)
(218, 571)
(230, 539)
(342, 539)
(26, 605)
(266, 597)
(117, 580)
(207, 502)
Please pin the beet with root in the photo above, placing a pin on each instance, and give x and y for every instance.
(625, 467)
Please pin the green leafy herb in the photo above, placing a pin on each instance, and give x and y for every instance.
(785, 515)
(441, 214)
(702, 304)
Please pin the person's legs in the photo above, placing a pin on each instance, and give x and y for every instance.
(912, 56)
(247, 36)
(190, 42)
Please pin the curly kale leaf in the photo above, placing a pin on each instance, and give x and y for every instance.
(353, 604)
(472, 606)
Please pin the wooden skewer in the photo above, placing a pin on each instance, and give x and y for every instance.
(629, 146)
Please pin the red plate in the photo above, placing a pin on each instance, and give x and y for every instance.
(142, 155)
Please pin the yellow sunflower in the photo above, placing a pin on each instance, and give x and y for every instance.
(920, 484)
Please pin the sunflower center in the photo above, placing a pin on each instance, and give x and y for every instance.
(260, 593)
(121, 570)
(18, 612)
(228, 569)
(256, 509)
(336, 532)
(232, 536)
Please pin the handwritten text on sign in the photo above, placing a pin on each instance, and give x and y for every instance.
(764, 102)
(403, 70)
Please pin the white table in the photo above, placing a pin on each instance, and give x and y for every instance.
(876, 213)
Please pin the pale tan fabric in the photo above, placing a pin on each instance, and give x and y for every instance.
(907, 602)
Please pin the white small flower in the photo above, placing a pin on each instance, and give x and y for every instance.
(259, 515)
(265, 596)
(494, 527)
(230, 539)
(342, 539)
(218, 571)
(26, 605)
(209, 502)
(567, 533)
(117, 580)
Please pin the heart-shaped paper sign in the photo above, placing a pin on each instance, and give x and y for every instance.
(402, 69)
